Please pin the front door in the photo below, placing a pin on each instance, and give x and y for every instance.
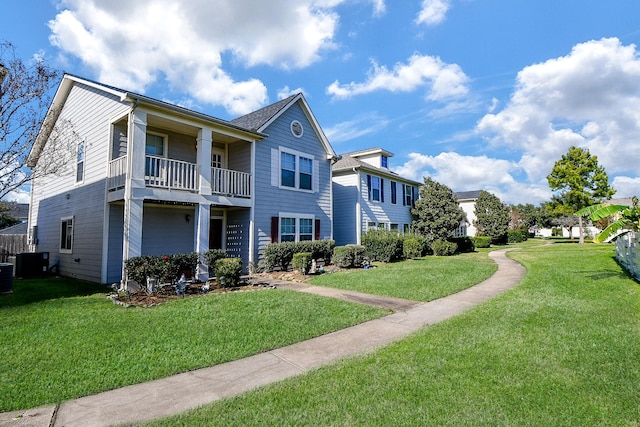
(215, 233)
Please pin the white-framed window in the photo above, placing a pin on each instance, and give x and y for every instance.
(306, 229)
(375, 188)
(287, 229)
(296, 227)
(406, 228)
(408, 195)
(80, 161)
(371, 225)
(384, 162)
(394, 193)
(217, 158)
(66, 235)
(156, 146)
(393, 227)
(296, 170)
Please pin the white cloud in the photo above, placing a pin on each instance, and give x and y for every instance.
(285, 92)
(362, 125)
(444, 81)
(589, 98)
(433, 12)
(626, 186)
(379, 7)
(136, 44)
(465, 173)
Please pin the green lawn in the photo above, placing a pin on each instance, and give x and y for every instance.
(423, 279)
(561, 348)
(62, 338)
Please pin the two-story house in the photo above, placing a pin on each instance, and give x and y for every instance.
(152, 178)
(467, 201)
(367, 194)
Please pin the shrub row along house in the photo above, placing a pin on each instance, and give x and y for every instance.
(151, 178)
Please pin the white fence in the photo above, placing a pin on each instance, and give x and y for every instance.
(628, 253)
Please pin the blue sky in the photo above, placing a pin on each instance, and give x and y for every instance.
(477, 94)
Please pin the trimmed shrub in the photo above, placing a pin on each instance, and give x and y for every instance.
(382, 245)
(228, 271)
(349, 256)
(443, 248)
(213, 255)
(412, 247)
(179, 264)
(482, 241)
(278, 255)
(302, 262)
(319, 249)
(517, 236)
(465, 244)
(281, 254)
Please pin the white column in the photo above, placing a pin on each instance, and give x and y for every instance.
(204, 160)
(133, 207)
(203, 215)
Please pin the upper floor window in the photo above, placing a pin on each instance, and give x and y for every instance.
(296, 171)
(384, 162)
(408, 195)
(80, 162)
(394, 193)
(155, 145)
(66, 235)
(376, 188)
(288, 169)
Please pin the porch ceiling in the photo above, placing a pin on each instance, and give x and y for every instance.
(186, 128)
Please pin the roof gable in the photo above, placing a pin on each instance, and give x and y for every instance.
(259, 120)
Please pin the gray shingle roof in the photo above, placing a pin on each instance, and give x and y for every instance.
(255, 120)
(348, 163)
(466, 195)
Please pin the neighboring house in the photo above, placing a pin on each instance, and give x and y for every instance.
(367, 194)
(152, 178)
(467, 201)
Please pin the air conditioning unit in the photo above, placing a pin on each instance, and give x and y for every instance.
(32, 264)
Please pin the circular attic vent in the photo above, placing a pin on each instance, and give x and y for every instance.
(296, 129)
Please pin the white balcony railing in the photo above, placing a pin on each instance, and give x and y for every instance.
(230, 182)
(117, 173)
(171, 174)
(179, 175)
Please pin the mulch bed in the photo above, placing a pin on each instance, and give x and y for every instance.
(168, 293)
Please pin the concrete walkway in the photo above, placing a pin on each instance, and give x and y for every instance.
(176, 394)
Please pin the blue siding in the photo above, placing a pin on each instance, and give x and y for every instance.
(271, 200)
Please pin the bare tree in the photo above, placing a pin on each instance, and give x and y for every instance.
(25, 95)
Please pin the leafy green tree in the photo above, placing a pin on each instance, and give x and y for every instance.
(492, 217)
(529, 216)
(623, 217)
(436, 214)
(579, 181)
(6, 219)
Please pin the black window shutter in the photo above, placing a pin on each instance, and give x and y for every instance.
(275, 221)
(317, 229)
(369, 185)
(382, 190)
(404, 195)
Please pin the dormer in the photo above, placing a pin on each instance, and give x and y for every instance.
(374, 156)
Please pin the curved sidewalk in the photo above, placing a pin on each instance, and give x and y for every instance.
(176, 394)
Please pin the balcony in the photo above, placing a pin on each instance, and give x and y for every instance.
(178, 175)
